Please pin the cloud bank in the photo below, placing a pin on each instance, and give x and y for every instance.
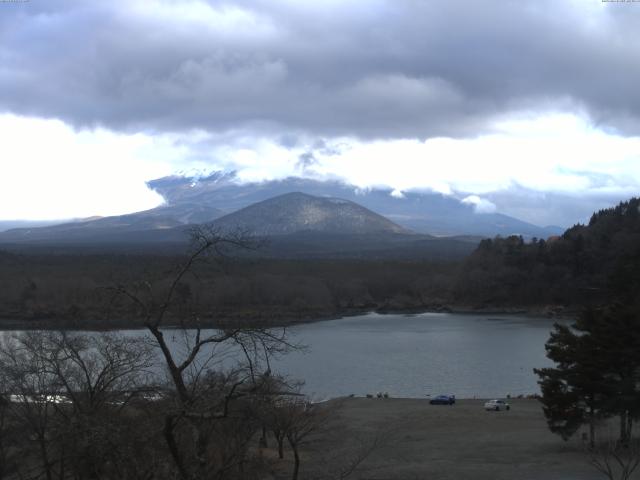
(548, 170)
(507, 102)
(366, 69)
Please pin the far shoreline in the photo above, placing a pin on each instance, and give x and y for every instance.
(552, 313)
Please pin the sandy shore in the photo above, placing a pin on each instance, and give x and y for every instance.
(449, 442)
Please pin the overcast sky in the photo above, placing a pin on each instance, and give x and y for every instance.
(528, 107)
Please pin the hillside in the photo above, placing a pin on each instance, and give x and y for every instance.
(292, 226)
(159, 224)
(588, 264)
(191, 200)
(298, 212)
(420, 211)
(13, 224)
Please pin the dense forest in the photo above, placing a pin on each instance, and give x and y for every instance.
(586, 265)
(77, 291)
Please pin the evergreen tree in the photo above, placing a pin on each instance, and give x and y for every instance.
(615, 335)
(597, 372)
(572, 391)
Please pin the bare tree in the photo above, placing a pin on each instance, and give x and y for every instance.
(616, 461)
(8, 437)
(4, 404)
(203, 403)
(297, 420)
(29, 388)
(96, 406)
(67, 392)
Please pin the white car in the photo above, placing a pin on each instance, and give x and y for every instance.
(496, 405)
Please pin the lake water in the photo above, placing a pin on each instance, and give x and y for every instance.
(417, 355)
(469, 355)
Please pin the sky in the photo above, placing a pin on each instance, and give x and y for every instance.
(529, 108)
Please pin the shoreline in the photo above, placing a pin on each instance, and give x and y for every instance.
(451, 443)
(427, 397)
(555, 312)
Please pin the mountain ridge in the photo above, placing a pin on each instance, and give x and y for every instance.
(294, 225)
(297, 212)
(206, 198)
(159, 218)
(421, 211)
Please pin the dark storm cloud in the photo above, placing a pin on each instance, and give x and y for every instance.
(381, 68)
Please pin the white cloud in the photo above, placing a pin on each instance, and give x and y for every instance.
(556, 152)
(480, 205)
(51, 171)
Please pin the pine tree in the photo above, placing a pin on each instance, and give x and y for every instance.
(615, 335)
(597, 373)
(572, 392)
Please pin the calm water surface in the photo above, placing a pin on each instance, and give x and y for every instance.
(416, 355)
(411, 355)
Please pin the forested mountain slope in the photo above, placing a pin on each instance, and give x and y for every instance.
(587, 264)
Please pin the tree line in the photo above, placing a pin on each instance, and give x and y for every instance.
(588, 264)
(584, 265)
(73, 291)
(596, 377)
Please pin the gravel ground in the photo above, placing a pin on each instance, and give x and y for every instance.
(462, 441)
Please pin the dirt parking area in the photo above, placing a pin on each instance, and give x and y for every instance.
(463, 441)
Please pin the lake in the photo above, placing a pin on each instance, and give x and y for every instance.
(467, 355)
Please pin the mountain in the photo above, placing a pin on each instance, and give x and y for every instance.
(292, 206)
(423, 212)
(11, 224)
(293, 225)
(299, 212)
(134, 226)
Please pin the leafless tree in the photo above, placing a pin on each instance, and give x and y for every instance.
(28, 387)
(96, 406)
(205, 401)
(65, 392)
(297, 420)
(616, 461)
(8, 436)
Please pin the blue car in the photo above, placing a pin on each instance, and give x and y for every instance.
(443, 400)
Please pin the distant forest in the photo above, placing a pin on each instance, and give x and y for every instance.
(587, 264)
